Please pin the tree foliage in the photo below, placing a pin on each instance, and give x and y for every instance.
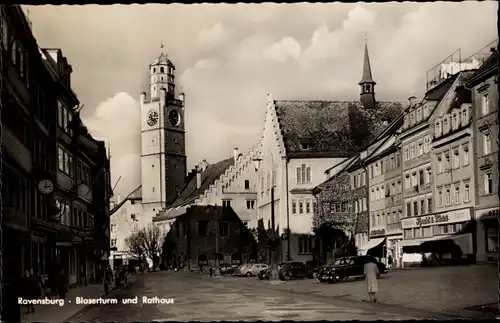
(147, 242)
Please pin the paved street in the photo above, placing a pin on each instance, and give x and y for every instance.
(440, 290)
(198, 297)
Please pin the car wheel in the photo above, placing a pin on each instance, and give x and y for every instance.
(286, 276)
(249, 274)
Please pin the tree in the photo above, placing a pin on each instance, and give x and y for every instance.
(146, 242)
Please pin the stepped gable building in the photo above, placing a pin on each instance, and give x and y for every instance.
(210, 215)
(304, 138)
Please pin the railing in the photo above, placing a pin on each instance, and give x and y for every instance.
(455, 63)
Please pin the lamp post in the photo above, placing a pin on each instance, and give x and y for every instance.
(217, 265)
(273, 242)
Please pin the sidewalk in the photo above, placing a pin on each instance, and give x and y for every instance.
(56, 313)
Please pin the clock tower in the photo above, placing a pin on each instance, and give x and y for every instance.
(163, 157)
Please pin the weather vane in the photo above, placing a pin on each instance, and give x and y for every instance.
(366, 37)
(161, 46)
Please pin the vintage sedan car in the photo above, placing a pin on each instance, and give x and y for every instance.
(252, 269)
(291, 270)
(240, 269)
(344, 268)
(227, 269)
(265, 273)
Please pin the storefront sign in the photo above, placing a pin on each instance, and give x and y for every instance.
(486, 214)
(379, 232)
(440, 218)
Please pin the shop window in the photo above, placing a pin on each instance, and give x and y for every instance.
(408, 233)
(417, 233)
(427, 232)
(443, 228)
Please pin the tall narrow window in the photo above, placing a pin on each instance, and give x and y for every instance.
(294, 206)
(456, 159)
(486, 143)
(448, 196)
(466, 192)
(457, 194)
(485, 104)
(488, 183)
(465, 155)
(440, 198)
(247, 184)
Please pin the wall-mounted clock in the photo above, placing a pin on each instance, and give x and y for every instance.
(174, 117)
(152, 118)
(45, 186)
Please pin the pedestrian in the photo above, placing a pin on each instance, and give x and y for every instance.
(389, 261)
(108, 279)
(211, 272)
(28, 291)
(201, 268)
(62, 284)
(371, 272)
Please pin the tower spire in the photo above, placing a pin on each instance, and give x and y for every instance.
(161, 47)
(367, 83)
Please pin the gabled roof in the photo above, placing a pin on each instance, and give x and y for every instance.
(484, 70)
(343, 164)
(437, 93)
(191, 192)
(326, 126)
(135, 195)
(381, 150)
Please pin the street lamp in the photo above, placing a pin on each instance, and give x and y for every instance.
(273, 243)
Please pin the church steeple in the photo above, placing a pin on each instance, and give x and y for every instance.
(367, 84)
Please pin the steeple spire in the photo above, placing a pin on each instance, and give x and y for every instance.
(367, 69)
(367, 84)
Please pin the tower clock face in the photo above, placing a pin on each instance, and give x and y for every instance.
(174, 117)
(152, 118)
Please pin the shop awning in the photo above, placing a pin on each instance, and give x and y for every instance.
(464, 241)
(411, 243)
(372, 243)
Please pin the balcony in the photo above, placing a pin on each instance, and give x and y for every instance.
(15, 219)
(84, 192)
(16, 149)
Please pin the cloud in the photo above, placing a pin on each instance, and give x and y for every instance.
(229, 56)
(211, 37)
(117, 122)
(285, 48)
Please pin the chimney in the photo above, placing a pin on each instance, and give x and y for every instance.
(143, 97)
(198, 180)
(412, 99)
(118, 199)
(236, 154)
(198, 177)
(204, 165)
(181, 96)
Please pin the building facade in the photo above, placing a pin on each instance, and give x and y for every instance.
(50, 162)
(424, 220)
(303, 138)
(483, 86)
(385, 202)
(222, 194)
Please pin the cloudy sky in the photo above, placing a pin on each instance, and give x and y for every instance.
(229, 56)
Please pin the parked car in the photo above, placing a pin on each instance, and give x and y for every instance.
(293, 270)
(265, 273)
(344, 268)
(252, 269)
(318, 272)
(227, 269)
(239, 269)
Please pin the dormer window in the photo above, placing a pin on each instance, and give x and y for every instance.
(465, 115)
(305, 146)
(405, 125)
(412, 118)
(419, 114)
(454, 124)
(425, 110)
(445, 125)
(437, 129)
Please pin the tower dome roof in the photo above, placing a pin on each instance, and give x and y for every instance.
(162, 60)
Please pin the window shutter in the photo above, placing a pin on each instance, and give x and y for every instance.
(299, 175)
(308, 175)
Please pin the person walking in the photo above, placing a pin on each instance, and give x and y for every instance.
(211, 272)
(62, 284)
(371, 273)
(389, 261)
(108, 279)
